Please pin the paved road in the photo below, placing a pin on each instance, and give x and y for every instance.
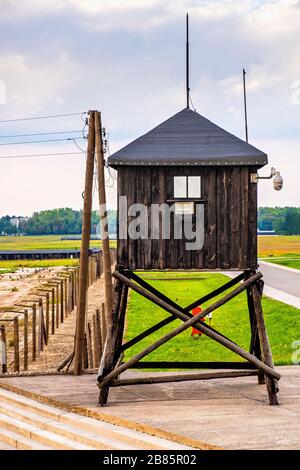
(281, 278)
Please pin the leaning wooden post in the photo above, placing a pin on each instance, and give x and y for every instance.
(16, 345)
(109, 357)
(26, 339)
(254, 343)
(272, 386)
(108, 290)
(84, 252)
(3, 349)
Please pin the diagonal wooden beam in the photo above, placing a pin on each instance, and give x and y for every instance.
(163, 322)
(214, 293)
(187, 324)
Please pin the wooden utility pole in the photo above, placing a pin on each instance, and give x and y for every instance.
(103, 218)
(84, 252)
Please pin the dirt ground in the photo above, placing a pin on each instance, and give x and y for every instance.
(15, 286)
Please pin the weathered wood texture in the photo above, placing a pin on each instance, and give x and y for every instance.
(230, 206)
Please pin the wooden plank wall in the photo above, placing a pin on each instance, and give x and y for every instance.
(230, 217)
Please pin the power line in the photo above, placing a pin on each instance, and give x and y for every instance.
(41, 155)
(39, 133)
(43, 117)
(43, 141)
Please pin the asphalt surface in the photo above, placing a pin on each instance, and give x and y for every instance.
(280, 278)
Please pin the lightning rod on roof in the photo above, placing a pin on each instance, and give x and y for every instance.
(245, 104)
(187, 64)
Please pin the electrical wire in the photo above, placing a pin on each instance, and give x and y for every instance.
(39, 141)
(39, 133)
(43, 117)
(41, 155)
(191, 102)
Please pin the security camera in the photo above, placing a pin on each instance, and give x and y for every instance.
(275, 174)
(278, 182)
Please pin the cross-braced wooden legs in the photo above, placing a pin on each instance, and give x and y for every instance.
(111, 366)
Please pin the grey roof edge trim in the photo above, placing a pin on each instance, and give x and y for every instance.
(117, 163)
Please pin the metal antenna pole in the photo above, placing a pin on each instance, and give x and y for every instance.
(187, 64)
(245, 104)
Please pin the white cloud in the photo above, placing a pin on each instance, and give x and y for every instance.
(33, 84)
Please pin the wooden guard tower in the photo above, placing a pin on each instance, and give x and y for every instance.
(203, 171)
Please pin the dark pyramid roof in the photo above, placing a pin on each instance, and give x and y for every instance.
(187, 138)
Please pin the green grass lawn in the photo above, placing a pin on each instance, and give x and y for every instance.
(290, 262)
(231, 320)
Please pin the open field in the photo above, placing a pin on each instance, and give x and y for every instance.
(45, 242)
(231, 319)
(278, 245)
(284, 250)
(12, 265)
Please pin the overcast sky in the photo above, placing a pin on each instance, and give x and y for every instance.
(127, 59)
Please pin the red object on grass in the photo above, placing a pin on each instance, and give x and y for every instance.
(195, 311)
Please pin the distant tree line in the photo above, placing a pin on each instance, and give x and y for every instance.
(64, 221)
(283, 220)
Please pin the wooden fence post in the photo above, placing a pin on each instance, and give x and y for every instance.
(33, 332)
(61, 301)
(3, 349)
(16, 345)
(90, 345)
(47, 316)
(26, 339)
(66, 295)
(40, 326)
(96, 343)
(52, 311)
(99, 333)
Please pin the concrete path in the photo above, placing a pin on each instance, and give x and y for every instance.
(281, 278)
(228, 413)
(281, 283)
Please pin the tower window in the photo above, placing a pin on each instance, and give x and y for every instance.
(187, 187)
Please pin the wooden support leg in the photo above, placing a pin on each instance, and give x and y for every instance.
(112, 348)
(271, 383)
(254, 342)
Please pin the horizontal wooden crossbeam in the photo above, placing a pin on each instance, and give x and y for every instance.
(192, 365)
(181, 378)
